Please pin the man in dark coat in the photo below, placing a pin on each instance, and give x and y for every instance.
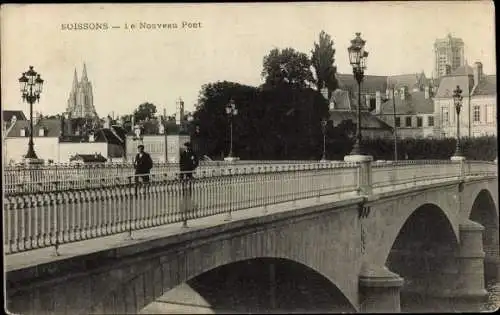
(143, 164)
(188, 162)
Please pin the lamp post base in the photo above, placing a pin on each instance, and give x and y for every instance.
(231, 159)
(458, 158)
(358, 158)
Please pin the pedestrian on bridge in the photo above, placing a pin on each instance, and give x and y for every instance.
(188, 162)
(142, 164)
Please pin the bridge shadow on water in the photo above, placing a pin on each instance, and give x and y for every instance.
(424, 255)
(265, 285)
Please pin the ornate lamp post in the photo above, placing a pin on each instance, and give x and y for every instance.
(31, 88)
(357, 58)
(231, 111)
(323, 128)
(457, 100)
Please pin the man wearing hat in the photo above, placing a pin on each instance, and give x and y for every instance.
(188, 162)
(143, 164)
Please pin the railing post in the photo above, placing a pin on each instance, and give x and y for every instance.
(231, 183)
(364, 174)
(185, 196)
(462, 165)
(133, 191)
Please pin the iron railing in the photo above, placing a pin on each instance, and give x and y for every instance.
(69, 212)
(410, 172)
(49, 219)
(66, 176)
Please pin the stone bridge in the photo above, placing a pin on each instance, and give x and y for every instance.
(369, 251)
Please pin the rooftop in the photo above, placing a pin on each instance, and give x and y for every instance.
(88, 158)
(52, 127)
(368, 121)
(414, 103)
(487, 86)
(8, 114)
(450, 82)
(463, 70)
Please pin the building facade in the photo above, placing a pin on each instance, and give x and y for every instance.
(413, 103)
(81, 99)
(410, 111)
(55, 142)
(449, 55)
(478, 111)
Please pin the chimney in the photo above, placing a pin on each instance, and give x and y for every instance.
(427, 93)
(447, 70)
(403, 93)
(378, 102)
(478, 72)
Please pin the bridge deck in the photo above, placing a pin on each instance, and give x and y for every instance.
(46, 255)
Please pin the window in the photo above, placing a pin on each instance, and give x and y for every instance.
(23, 132)
(444, 115)
(490, 115)
(419, 121)
(430, 121)
(477, 113)
(408, 122)
(398, 121)
(41, 132)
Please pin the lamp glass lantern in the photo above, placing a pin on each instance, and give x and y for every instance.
(457, 98)
(354, 55)
(324, 122)
(23, 82)
(356, 51)
(364, 58)
(38, 84)
(231, 108)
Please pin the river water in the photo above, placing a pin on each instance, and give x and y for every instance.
(493, 302)
(199, 306)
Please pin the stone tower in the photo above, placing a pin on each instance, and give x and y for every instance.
(81, 100)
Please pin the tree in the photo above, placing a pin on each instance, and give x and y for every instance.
(287, 66)
(213, 122)
(145, 111)
(323, 60)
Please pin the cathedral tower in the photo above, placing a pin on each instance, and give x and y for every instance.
(81, 100)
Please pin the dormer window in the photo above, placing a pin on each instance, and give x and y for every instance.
(41, 132)
(23, 132)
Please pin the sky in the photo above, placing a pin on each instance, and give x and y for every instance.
(219, 42)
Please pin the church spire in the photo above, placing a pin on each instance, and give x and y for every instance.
(75, 81)
(84, 73)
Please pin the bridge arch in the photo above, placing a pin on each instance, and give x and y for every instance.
(484, 212)
(423, 253)
(306, 240)
(388, 218)
(483, 193)
(257, 285)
